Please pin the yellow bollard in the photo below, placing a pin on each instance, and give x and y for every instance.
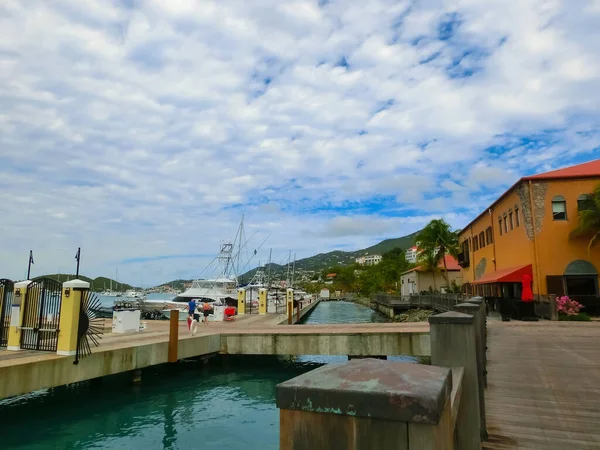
(16, 315)
(241, 309)
(69, 316)
(290, 304)
(262, 301)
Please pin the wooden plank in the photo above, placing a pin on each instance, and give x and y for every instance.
(457, 381)
(544, 386)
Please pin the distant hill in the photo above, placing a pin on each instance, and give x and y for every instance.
(178, 284)
(317, 263)
(97, 284)
(323, 261)
(404, 242)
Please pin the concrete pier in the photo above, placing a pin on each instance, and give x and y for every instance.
(251, 334)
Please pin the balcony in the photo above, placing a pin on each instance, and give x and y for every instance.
(463, 259)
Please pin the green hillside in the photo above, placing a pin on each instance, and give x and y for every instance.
(176, 284)
(323, 261)
(97, 284)
(306, 267)
(404, 243)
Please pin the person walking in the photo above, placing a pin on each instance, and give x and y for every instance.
(191, 310)
(206, 311)
(195, 322)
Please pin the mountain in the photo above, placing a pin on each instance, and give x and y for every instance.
(323, 261)
(306, 267)
(178, 284)
(404, 242)
(97, 284)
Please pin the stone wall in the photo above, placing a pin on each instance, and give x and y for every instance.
(539, 200)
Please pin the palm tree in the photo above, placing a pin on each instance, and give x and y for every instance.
(429, 261)
(438, 238)
(589, 220)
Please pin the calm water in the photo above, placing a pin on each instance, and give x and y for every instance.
(226, 404)
(343, 312)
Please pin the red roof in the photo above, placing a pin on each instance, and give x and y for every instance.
(508, 275)
(585, 170)
(451, 264)
(331, 275)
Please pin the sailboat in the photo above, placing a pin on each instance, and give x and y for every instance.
(221, 290)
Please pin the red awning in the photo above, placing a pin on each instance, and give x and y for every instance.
(508, 275)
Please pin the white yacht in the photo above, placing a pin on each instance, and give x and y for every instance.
(220, 291)
(132, 293)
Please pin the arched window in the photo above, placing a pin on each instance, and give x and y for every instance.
(583, 202)
(581, 278)
(559, 208)
(517, 215)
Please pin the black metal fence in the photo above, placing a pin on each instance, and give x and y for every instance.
(6, 293)
(440, 302)
(41, 315)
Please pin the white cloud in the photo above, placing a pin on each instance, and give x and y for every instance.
(146, 130)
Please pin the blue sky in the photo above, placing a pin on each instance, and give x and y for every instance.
(142, 130)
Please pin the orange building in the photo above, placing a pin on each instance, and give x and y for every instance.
(526, 231)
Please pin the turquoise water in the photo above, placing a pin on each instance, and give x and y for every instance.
(228, 403)
(343, 312)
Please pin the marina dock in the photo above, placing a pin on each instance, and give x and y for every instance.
(543, 377)
(27, 371)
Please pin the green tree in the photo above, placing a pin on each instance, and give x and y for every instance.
(429, 262)
(440, 240)
(588, 225)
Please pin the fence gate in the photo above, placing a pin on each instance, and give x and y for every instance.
(6, 290)
(41, 315)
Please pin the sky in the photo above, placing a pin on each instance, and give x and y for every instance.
(142, 130)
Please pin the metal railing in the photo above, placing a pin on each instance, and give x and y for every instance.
(440, 302)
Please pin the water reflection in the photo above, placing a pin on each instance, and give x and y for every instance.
(227, 404)
(342, 312)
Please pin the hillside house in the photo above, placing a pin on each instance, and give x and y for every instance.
(417, 280)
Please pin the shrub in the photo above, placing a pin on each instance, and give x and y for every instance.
(568, 307)
(581, 317)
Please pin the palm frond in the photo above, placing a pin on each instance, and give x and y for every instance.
(588, 224)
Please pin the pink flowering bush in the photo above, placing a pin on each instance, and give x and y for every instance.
(567, 306)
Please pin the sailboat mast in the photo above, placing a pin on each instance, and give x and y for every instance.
(287, 277)
(269, 269)
(293, 271)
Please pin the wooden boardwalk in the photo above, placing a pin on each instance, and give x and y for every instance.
(543, 385)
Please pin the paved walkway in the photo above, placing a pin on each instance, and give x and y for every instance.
(543, 385)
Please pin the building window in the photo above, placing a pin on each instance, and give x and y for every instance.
(475, 243)
(500, 225)
(489, 235)
(510, 219)
(582, 285)
(583, 202)
(481, 240)
(465, 247)
(518, 219)
(505, 223)
(559, 208)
